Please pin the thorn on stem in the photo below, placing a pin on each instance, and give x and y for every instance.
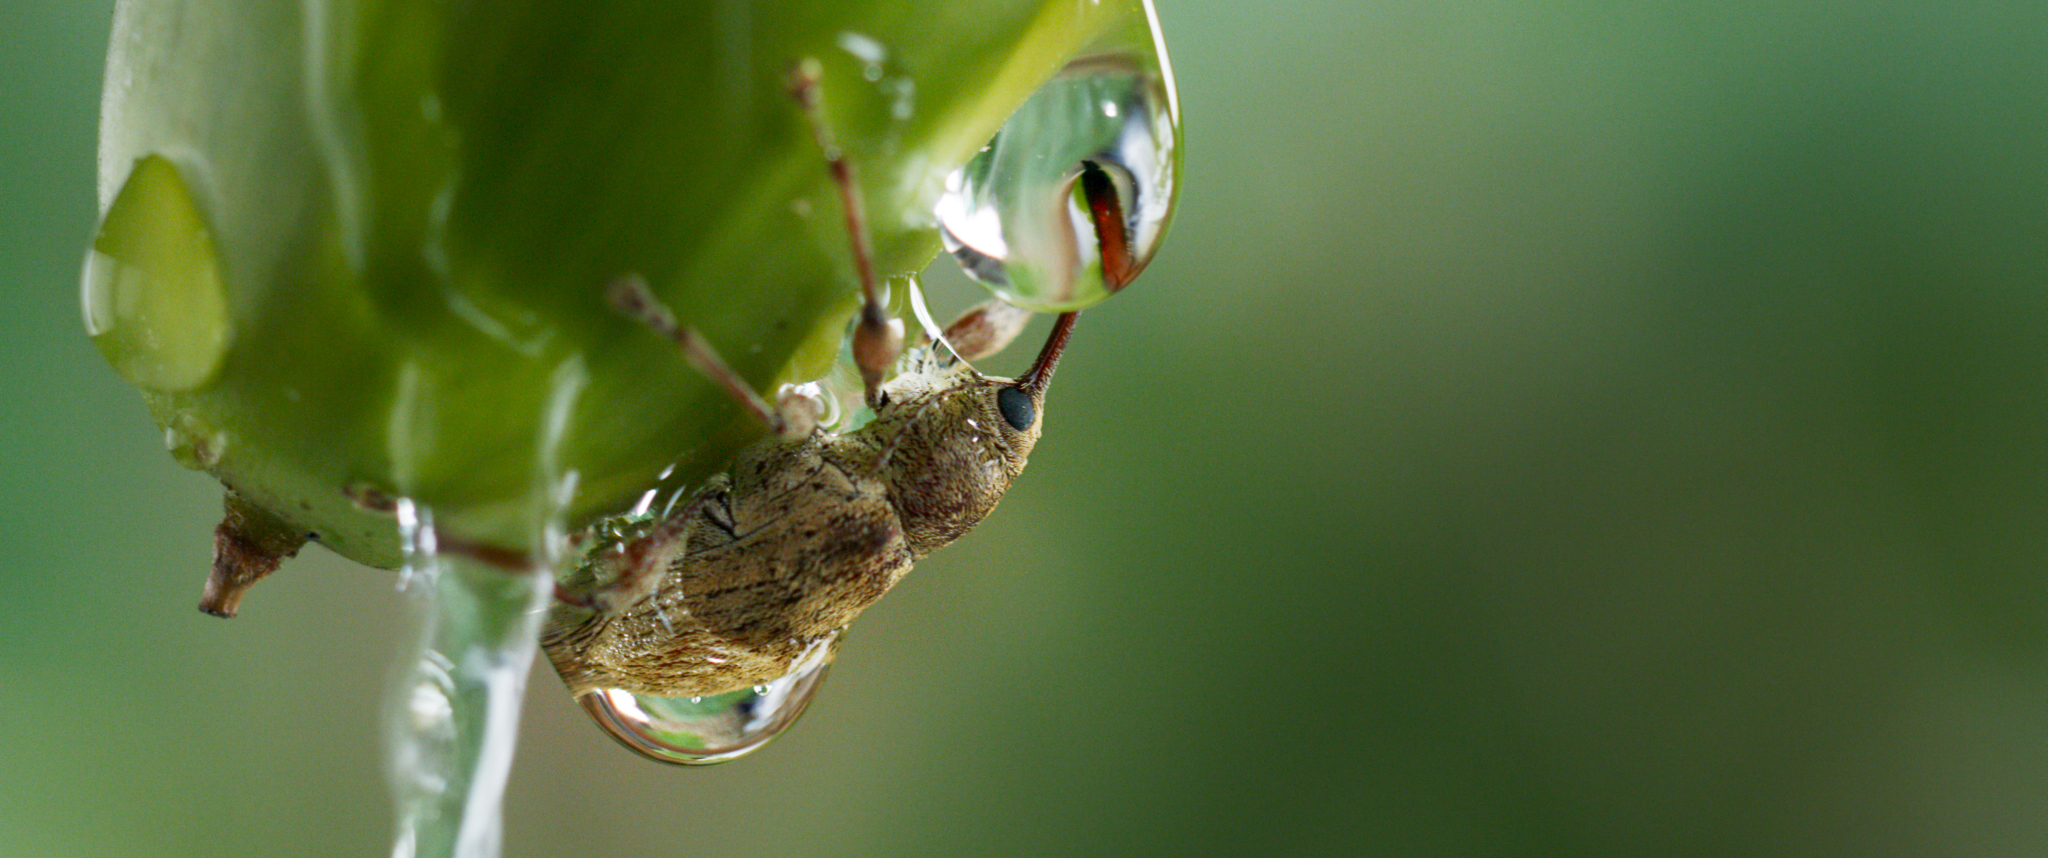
(248, 545)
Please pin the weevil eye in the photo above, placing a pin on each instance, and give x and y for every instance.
(1017, 408)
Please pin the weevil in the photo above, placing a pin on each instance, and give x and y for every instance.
(808, 527)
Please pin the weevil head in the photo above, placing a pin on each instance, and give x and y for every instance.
(948, 446)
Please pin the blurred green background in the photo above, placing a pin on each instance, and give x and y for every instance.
(1552, 428)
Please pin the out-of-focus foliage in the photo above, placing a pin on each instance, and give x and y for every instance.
(1550, 429)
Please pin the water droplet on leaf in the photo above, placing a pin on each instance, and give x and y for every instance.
(152, 287)
(715, 728)
(194, 443)
(1016, 217)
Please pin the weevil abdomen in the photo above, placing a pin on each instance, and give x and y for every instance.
(781, 552)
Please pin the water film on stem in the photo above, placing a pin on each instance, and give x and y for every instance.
(452, 719)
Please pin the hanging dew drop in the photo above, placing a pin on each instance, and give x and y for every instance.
(701, 730)
(152, 290)
(1016, 217)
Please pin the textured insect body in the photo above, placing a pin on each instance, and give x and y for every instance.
(774, 557)
(768, 562)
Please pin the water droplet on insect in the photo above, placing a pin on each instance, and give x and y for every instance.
(1015, 218)
(716, 728)
(152, 292)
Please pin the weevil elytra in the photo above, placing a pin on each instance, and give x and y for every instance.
(804, 530)
(808, 527)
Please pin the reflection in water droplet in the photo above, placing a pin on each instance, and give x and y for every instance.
(152, 286)
(645, 504)
(1015, 217)
(902, 93)
(714, 729)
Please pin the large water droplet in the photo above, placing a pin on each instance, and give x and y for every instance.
(714, 729)
(152, 286)
(1018, 218)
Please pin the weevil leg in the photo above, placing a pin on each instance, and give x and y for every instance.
(514, 562)
(517, 562)
(986, 329)
(637, 565)
(877, 338)
(631, 296)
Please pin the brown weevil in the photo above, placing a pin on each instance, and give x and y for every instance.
(766, 563)
(696, 636)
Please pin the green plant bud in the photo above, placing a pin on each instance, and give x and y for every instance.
(355, 246)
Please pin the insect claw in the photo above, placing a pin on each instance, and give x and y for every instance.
(629, 295)
(638, 572)
(801, 412)
(877, 340)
